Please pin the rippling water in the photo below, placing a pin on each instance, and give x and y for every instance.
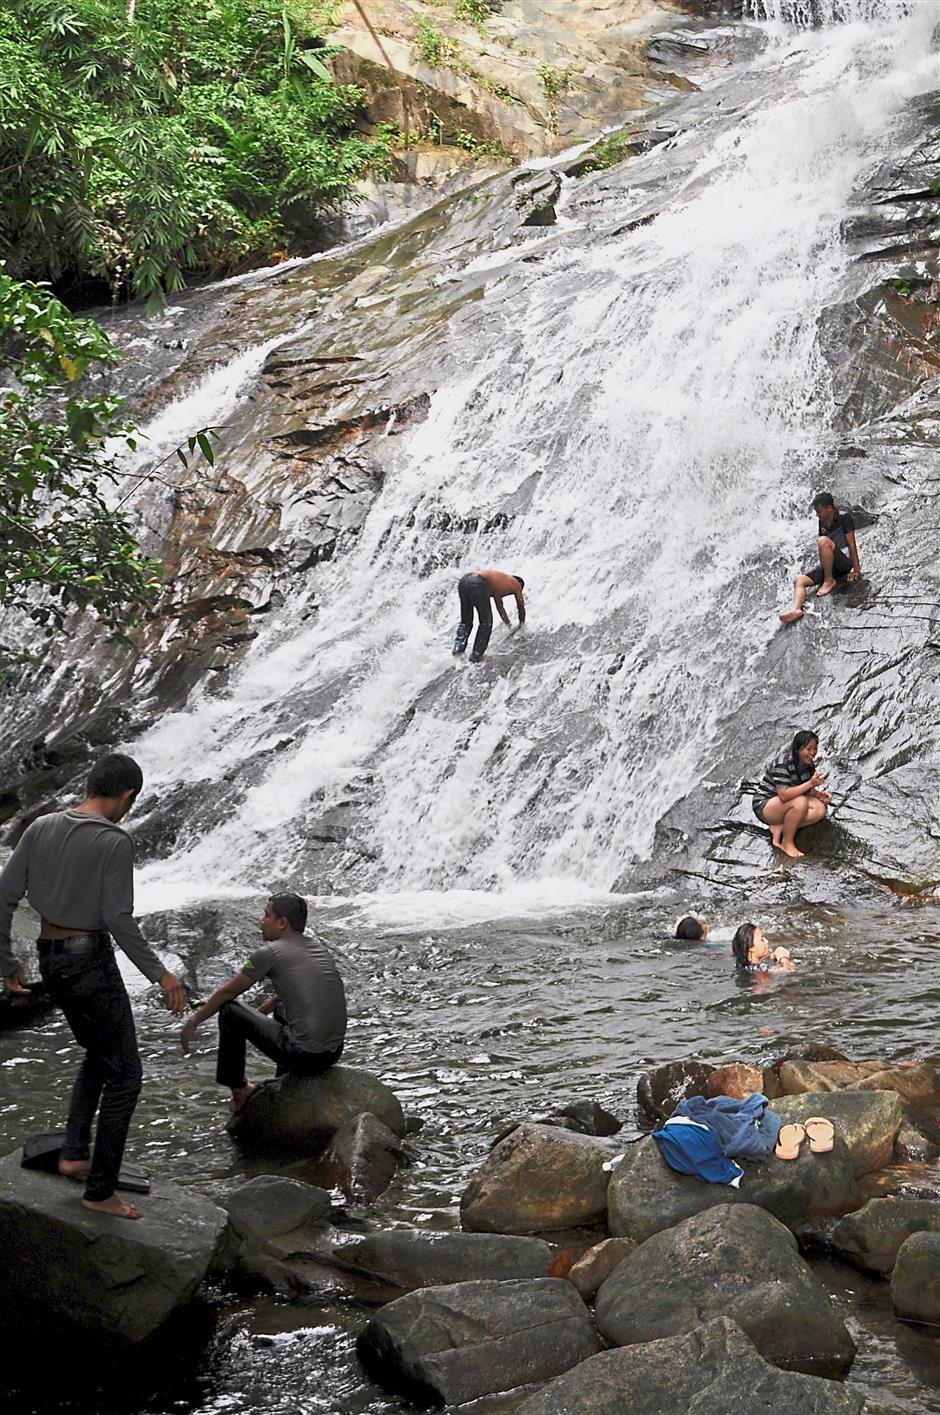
(474, 1025)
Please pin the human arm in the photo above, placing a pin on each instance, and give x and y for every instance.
(856, 569)
(501, 611)
(805, 788)
(117, 912)
(520, 607)
(238, 983)
(13, 884)
(269, 1004)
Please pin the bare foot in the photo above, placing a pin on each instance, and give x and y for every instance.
(791, 616)
(75, 1169)
(826, 587)
(115, 1205)
(239, 1096)
(775, 838)
(792, 851)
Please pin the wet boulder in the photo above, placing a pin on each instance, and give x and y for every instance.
(408, 1258)
(539, 1179)
(302, 1113)
(912, 1145)
(585, 1117)
(24, 1011)
(596, 1265)
(713, 1370)
(447, 1345)
(269, 1206)
(799, 1078)
(915, 1282)
(646, 1196)
(659, 1091)
(735, 1260)
(739, 1080)
(117, 1282)
(362, 1158)
(535, 195)
(871, 1237)
(916, 1082)
(867, 1121)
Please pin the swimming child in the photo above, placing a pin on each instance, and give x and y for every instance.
(754, 954)
(692, 927)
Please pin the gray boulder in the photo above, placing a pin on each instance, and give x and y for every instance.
(408, 1259)
(446, 1345)
(646, 1196)
(269, 1206)
(734, 1261)
(868, 1121)
(915, 1282)
(659, 1091)
(302, 1113)
(112, 1279)
(362, 1158)
(538, 1180)
(870, 1237)
(714, 1370)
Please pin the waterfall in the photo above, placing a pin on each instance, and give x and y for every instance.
(657, 409)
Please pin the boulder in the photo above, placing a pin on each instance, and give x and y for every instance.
(269, 1206)
(646, 1196)
(916, 1082)
(737, 1261)
(868, 1121)
(596, 1265)
(739, 1080)
(660, 1091)
(118, 1282)
(801, 1077)
(911, 1145)
(302, 1113)
(362, 1158)
(17, 1010)
(870, 1237)
(586, 1117)
(915, 1282)
(409, 1259)
(713, 1370)
(537, 1180)
(445, 1345)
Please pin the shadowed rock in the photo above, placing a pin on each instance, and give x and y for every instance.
(734, 1260)
(660, 1091)
(915, 1282)
(714, 1370)
(410, 1259)
(301, 1113)
(362, 1158)
(871, 1237)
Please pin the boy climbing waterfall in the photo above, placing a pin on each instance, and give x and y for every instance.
(838, 555)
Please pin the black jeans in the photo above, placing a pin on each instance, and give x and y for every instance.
(83, 980)
(240, 1024)
(474, 594)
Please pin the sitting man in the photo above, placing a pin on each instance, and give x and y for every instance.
(306, 1033)
(838, 555)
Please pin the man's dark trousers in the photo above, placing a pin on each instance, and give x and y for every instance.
(240, 1024)
(84, 981)
(474, 594)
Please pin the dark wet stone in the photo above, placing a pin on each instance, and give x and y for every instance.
(660, 1091)
(915, 1282)
(448, 1345)
(535, 194)
(713, 1370)
(301, 1113)
(735, 1260)
(18, 1011)
(362, 1158)
(408, 1259)
(871, 1237)
(269, 1206)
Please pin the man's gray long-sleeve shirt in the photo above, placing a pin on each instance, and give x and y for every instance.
(77, 871)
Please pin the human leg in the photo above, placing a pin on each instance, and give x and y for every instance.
(772, 813)
(827, 550)
(815, 811)
(484, 609)
(794, 817)
(800, 586)
(466, 613)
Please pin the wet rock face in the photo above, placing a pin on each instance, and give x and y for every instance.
(872, 1237)
(660, 1091)
(646, 1196)
(539, 1179)
(117, 1283)
(407, 1260)
(448, 1345)
(735, 1261)
(713, 1370)
(301, 1113)
(915, 1282)
(362, 1158)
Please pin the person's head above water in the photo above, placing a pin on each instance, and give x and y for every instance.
(804, 747)
(749, 946)
(824, 505)
(283, 914)
(691, 927)
(116, 779)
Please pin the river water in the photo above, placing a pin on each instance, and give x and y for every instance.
(656, 404)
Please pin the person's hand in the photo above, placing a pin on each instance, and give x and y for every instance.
(818, 779)
(187, 1033)
(854, 575)
(174, 993)
(823, 796)
(16, 984)
(781, 955)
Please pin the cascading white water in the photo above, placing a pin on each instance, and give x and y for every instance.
(665, 394)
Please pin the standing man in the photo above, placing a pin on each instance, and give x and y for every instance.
(476, 590)
(76, 867)
(306, 1033)
(838, 555)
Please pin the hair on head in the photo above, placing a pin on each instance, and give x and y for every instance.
(114, 774)
(824, 498)
(690, 928)
(803, 739)
(741, 944)
(292, 908)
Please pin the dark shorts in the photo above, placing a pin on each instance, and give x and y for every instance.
(758, 809)
(841, 566)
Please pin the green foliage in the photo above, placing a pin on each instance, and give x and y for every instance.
(475, 12)
(469, 143)
(437, 49)
(608, 152)
(197, 138)
(63, 546)
(555, 81)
